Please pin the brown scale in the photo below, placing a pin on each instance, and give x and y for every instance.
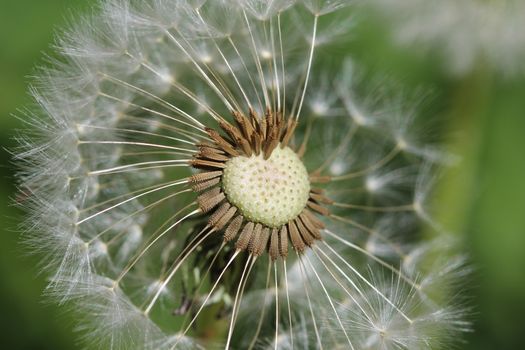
(248, 136)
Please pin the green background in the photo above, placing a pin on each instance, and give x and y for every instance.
(483, 198)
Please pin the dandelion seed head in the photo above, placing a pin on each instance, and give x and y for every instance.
(200, 161)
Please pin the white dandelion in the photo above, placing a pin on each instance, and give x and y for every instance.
(466, 34)
(210, 174)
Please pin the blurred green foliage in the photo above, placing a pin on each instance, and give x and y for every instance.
(26, 322)
(483, 198)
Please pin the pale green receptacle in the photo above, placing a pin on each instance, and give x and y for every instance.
(271, 192)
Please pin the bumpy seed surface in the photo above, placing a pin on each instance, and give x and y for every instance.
(271, 192)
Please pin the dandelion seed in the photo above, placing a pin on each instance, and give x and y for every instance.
(200, 181)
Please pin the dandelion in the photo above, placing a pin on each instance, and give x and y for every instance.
(465, 33)
(209, 174)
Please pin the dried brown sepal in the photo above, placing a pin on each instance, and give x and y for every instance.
(295, 237)
(320, 178)
(275, 128)
(307, 237)
(206, 154)
(255, 237)
(321, 198)
(206, 144)
(310, 226)
(283, 242)
(273, 250)
(252, 115)
(210, 148)
(205, 176)
(271, 144)
(290, 128)
(245, 236)
(222, 142)
(318, 208)
(201, 186)
(210, 199)
(278, 118)
(225, 218)
(246, 147)
(268, 115)
(231, 130)
(217, 214)
(257, 143)
(233, 228)
(260, 242)
(244, 124)
(263, 128)
(206, 164)
(313, 219)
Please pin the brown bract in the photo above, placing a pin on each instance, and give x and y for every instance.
(252, 135)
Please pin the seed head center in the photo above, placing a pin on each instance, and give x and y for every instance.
(271, 192)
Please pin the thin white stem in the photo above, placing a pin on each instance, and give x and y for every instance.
(370, 231)
(309, 67)
(154, 204)
(205, 76)
(275, 69)
(185, 91)
(248, 74)
(153, 111)
(143, 251)
(130, 199)
(375, 258)
(174, 271)
(374, 288)
(203, 304)
(283, 72)
(329, 300)
(354, 300)
(305, 280)
(245, 96)
(139, 164)
(244, 285)
(288, 301)
(406, 207)
(131, 143)
(270, 68)
(141, 132)
(143, 153)
(129, 170)
(161, 101)
(203, 278)
(237, 300)
(276, 306)
(190, 134)
(109, 183)
(263, 311)
(222, 84)
(257, 61)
